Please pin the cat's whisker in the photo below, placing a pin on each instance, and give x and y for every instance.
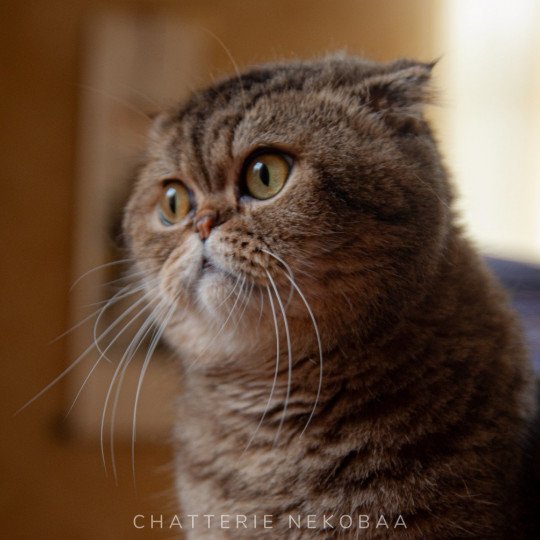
(102, 312)
(261, 301)
(99, 267)
(125, 277)
(233, 62)
(58, 378)
(319, 344)
(289, 276)
(276, 371)
(116, 297)
(289, 298)
(229, 295)
(101, 303)
(123, 102)
(73, 365)
(77, 325)
(154, 317)
(239, 295)
(111, 343)
(244, 306)
(291, 290)
(143, 95)
(138, 289)
(130, 350)
(231, 311)
(289, 355)
(151, 348)
(96, 338)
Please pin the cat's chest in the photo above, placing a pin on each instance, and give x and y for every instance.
(250, 454)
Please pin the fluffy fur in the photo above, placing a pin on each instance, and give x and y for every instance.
(426, 394)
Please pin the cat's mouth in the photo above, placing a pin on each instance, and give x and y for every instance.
(208, 266)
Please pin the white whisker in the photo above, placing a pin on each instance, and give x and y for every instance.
(96, 268)
(129, 357)
(289, 356)
(289, 276)
(111, 343)
(232, 60)
(245, 304)
(131, 349)
(155, 339)
(126, 104)
(102, 312)
(125, 277)
(276, 371)
(74, 364)
(316, 328)
(94, 313)
(261, 300)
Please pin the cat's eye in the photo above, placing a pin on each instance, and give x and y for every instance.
(174, 203)
(266, 174)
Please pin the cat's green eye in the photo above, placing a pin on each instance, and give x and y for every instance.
(266, 174)
(174, 203)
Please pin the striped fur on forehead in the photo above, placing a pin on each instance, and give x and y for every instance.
(333, 72)
(212, 115)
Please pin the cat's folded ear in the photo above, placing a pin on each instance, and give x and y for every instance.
(399, 93)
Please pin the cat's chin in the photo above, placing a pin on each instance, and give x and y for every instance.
(215, 291)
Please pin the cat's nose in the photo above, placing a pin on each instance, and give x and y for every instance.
(204, 222)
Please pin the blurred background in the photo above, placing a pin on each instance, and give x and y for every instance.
(78, 80)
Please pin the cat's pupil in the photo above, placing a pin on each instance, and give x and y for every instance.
(171, 195)
(264, 173)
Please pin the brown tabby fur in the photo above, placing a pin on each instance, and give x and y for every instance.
(426, 393)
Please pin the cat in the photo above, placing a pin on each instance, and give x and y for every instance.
(345, 351)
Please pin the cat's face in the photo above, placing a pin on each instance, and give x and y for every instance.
(323, 173)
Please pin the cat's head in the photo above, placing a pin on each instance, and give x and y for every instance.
(321, 173)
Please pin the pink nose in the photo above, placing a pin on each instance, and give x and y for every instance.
(204, 222)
